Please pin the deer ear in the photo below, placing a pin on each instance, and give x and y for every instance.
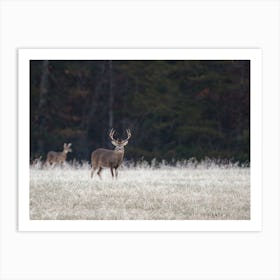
(64, 145)
(124, 143)
(69, 145)
(114, 143)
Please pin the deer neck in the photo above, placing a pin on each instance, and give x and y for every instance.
(119, 152)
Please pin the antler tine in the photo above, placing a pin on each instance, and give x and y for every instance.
(128, 134)
(111, 134)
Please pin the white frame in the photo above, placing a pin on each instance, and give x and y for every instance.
(254, 55)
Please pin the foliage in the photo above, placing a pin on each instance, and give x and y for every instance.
(175, 109)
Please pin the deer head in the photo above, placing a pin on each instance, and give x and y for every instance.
(119, 144)
(66, 148)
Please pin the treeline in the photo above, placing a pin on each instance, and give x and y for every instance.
(175, 109)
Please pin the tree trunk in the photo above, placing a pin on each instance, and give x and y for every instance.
(42, 106)
(111, 96)
(91, 118)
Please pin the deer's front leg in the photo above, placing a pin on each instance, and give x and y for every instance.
(92, 171)
(99, 172)
(112, 171)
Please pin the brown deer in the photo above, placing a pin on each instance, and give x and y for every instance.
(103, 158)
(58, 157)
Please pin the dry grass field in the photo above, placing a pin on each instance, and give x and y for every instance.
(202, 192)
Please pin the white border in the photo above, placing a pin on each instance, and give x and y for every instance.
(254, 55)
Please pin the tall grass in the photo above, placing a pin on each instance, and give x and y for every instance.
(189, 190)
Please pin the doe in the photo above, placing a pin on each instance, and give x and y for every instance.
(58, 157)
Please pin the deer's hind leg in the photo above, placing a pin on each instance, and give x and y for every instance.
(92, 171)
(99, 172)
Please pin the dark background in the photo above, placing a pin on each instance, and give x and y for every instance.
(175, 109)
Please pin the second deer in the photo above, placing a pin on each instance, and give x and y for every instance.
(58, 157)
(104, 158)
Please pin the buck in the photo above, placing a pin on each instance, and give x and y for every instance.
(104, 158)
(58, 157)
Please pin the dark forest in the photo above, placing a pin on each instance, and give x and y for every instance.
(175, 110)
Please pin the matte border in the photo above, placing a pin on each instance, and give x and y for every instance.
(254, 55)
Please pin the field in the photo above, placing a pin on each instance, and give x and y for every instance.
(205, 191)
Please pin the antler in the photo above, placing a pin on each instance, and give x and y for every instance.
(111, 134)
(128, 134)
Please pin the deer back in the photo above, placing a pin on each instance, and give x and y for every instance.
(56, 156)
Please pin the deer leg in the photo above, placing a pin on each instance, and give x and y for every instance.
(116, 173)
(99, 172)
(92, 171)
(112, 171)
